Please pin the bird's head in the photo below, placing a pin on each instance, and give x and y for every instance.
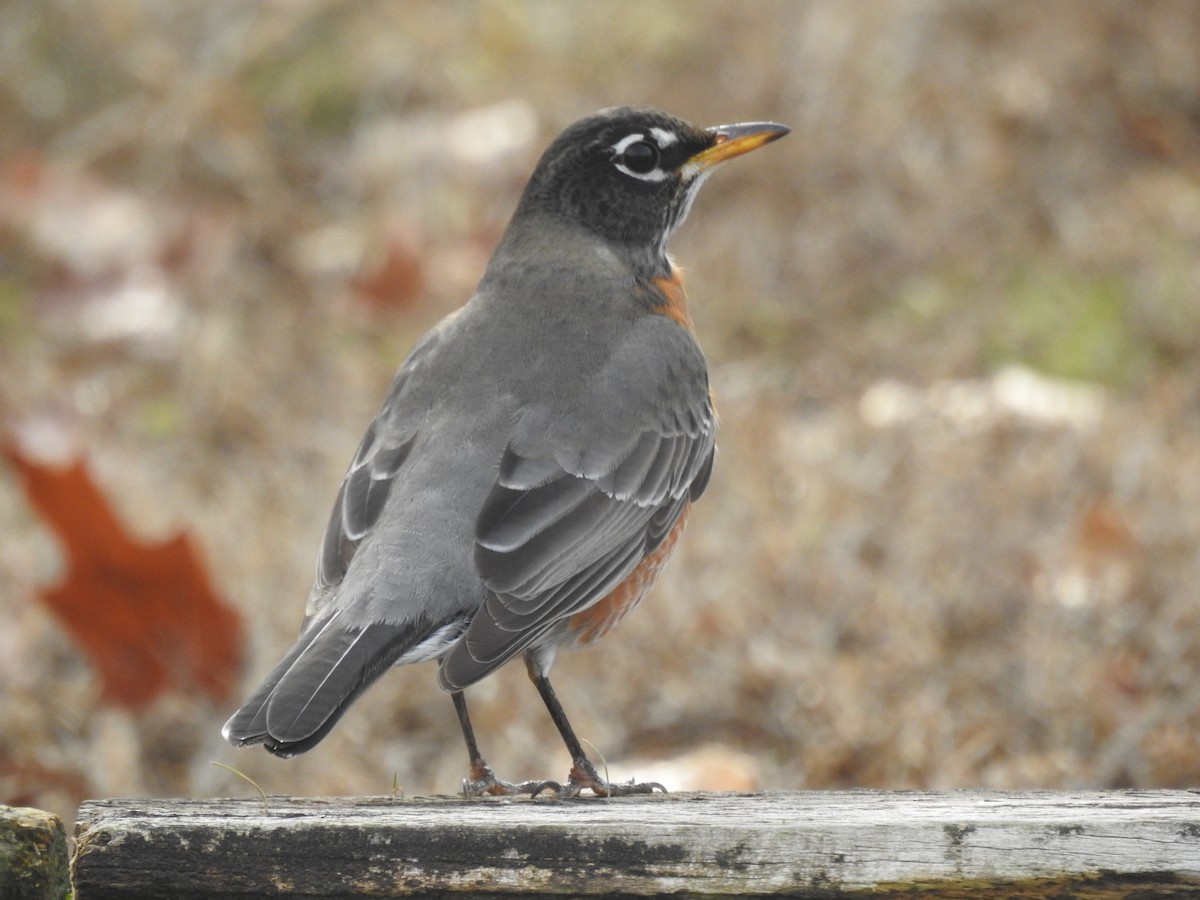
(630, 174)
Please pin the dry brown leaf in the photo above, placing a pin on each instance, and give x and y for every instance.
(145, 615)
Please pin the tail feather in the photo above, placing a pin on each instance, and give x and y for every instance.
(306, 694)
(249, 724)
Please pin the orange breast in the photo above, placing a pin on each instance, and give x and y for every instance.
(670, 299)
(600, 618)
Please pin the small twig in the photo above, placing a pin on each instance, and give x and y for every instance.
(603, 763)
(243, 775)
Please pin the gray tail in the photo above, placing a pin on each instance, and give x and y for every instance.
(302, 699)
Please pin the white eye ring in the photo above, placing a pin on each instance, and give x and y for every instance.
(626, 142)
(619, 148)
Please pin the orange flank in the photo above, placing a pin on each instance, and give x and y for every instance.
(602, 617)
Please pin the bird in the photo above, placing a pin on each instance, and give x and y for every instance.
(535, 457)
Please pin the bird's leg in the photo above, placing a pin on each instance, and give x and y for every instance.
(583, 773)
(482, 780)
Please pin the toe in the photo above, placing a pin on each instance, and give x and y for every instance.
(585, 777)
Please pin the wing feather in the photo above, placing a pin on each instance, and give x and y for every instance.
(512, 518)
(360, 501)
(569, 518)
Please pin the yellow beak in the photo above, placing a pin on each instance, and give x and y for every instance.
(734, 140)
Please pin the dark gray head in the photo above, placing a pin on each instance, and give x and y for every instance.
(630, 174)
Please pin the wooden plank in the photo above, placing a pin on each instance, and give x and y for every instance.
(33, 855)
(817, 844)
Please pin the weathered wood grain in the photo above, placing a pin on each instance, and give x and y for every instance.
(818, 844)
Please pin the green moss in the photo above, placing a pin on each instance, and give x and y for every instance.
(12, 309)
(161, 416)
(308, 81)
(1069, 325)
(33, 855)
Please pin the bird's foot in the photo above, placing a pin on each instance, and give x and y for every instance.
(584, 777)
(483, 781)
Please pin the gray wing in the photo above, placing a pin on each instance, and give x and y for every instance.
(373, 473)
(360, 501)
(582, 496)
(342, 649)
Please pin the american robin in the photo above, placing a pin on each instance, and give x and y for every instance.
(536, 455)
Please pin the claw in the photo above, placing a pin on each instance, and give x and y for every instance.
(584, 776)
(547, 786)
(484, 781)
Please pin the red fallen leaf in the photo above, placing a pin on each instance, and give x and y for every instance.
(398, 280)
(27, 783)
(1103, 534)
(145, 614)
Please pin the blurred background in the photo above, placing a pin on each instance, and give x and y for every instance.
(953, 535)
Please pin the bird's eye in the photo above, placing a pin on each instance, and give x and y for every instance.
(641, 158)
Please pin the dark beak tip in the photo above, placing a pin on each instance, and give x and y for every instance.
(776, 131)
(729, 141)
(771, 130)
